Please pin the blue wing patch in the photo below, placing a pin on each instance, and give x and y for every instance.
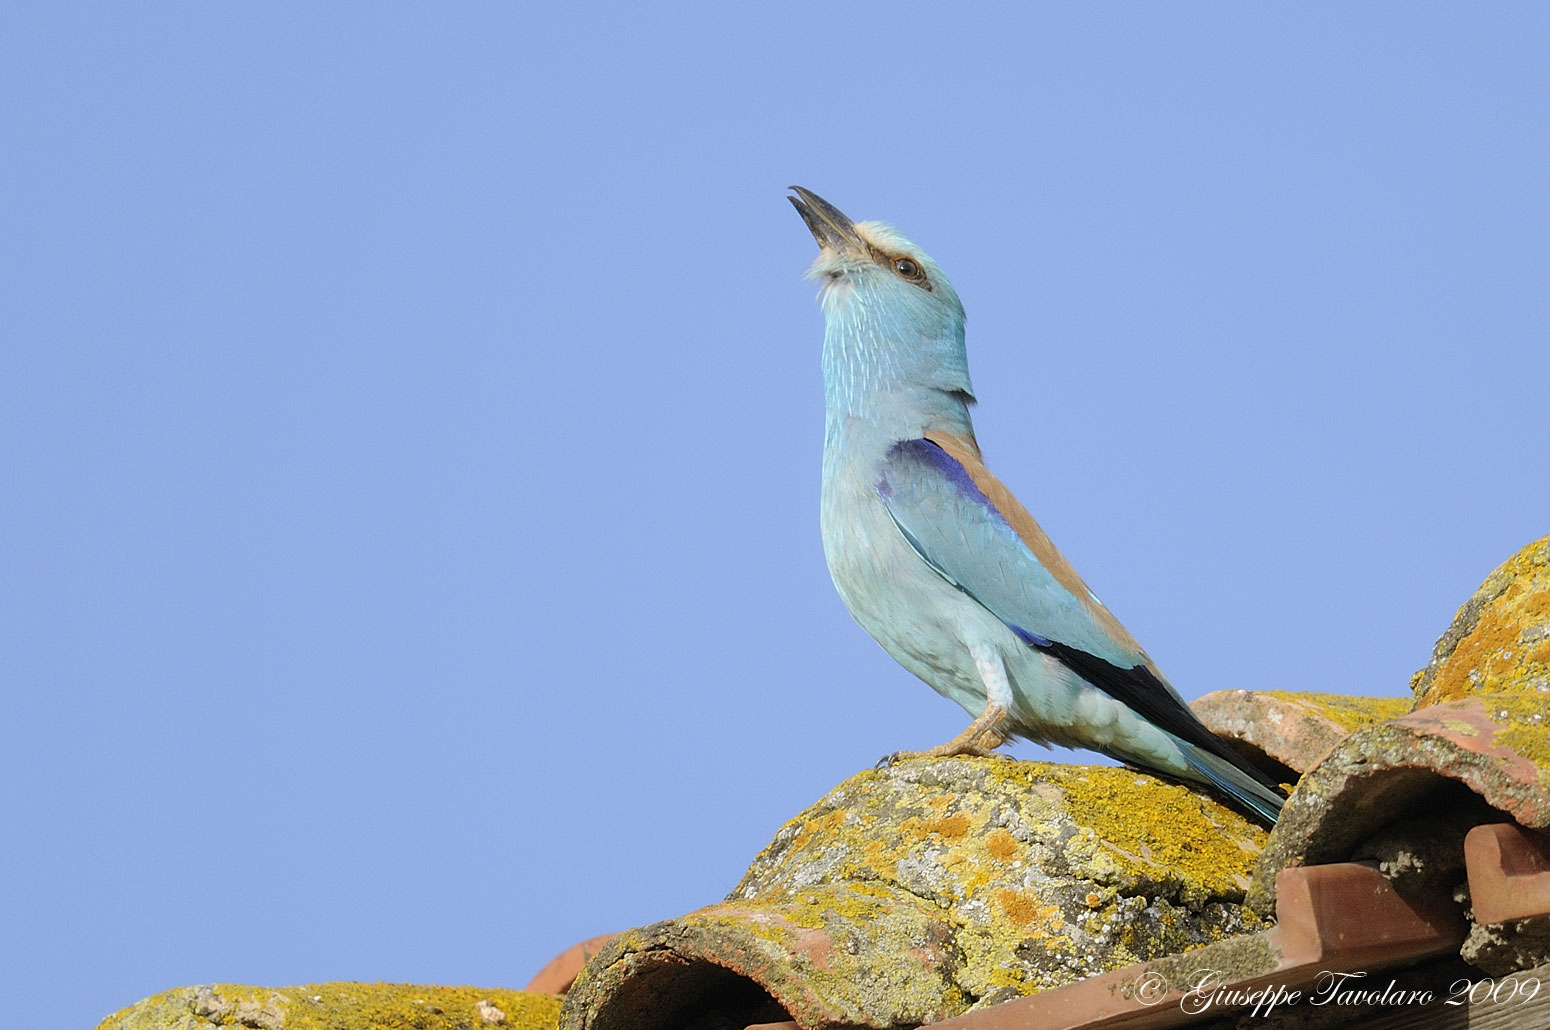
(960, 533)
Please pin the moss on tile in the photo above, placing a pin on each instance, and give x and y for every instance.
(1347, 712)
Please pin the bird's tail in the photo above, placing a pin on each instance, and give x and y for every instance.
(1259, 799)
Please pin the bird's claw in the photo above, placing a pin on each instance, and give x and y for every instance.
(971, 750)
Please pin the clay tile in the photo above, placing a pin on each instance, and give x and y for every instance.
(1509, 873)
(1294, 730)
(557, 976)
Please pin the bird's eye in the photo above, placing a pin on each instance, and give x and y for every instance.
(910, 271)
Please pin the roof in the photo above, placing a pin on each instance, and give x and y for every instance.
(992, 894)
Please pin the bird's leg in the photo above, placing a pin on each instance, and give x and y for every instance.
(979, 739)
(992, 739)
(984, 734)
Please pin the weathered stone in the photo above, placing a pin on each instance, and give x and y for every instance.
(1508, 947)
(923, 890)
(338, 1006)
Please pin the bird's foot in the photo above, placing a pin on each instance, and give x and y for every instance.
(980, 739)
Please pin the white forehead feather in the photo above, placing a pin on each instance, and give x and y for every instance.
(888, 239)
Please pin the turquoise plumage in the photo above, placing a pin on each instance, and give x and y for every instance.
(940, 563)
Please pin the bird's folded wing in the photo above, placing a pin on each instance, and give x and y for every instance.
(971, 530)
(950, 518)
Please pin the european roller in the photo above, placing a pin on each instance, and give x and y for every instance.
(939, 562)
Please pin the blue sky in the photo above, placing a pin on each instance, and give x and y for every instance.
(409, 560)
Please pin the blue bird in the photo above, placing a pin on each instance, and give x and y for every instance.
(940, 563)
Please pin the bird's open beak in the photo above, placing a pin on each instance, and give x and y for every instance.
(827, 223)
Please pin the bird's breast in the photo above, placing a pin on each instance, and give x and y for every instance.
(918, 617)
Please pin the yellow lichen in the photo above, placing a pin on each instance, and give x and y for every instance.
(1349, 713)
(1492, 657)
(1020, 907)
(1009, 976)
(1503, 635)
(1525, 719)
(940, 804)
(952, 827)
(1000, 845)
(1150, 826)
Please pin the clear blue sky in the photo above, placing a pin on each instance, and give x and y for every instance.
(409, 560)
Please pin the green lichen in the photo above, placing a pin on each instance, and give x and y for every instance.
(340, 1006)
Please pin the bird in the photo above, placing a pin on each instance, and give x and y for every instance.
(941, 564)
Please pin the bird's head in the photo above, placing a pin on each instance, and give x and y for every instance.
(892, 317)
(872, 263)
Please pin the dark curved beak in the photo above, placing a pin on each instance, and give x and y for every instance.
(827, 223)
